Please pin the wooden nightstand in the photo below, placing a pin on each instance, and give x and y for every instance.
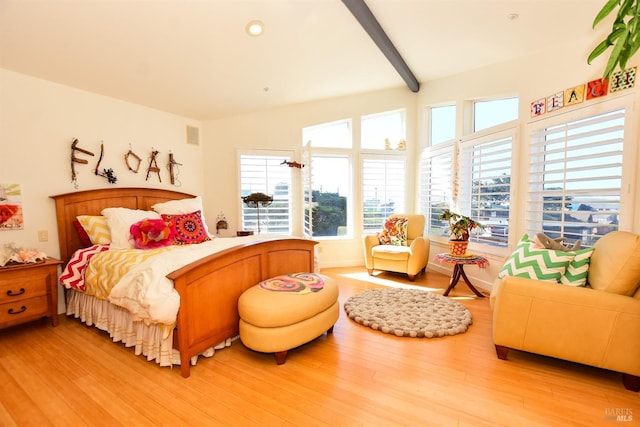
(29, 292)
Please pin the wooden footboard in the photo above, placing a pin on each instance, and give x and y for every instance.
(209, 289)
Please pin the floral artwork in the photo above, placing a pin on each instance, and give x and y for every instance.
(10, 207)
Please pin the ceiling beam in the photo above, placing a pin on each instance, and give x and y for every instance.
(363, 14)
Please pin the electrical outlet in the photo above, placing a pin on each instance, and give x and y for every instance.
(43, 235)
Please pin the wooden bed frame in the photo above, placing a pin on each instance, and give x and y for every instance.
(209, 288)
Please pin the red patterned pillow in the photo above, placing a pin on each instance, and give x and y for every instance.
(187, 228)
(151, 233)
(82, 234)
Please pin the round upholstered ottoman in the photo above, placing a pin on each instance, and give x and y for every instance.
(287, 311)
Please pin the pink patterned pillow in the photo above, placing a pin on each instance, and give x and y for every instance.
(187, 228)
(151, 233)
(394, 232)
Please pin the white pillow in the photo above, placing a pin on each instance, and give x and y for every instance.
(120, 221)
(182, 206)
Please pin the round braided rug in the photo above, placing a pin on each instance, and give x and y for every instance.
(408, 313)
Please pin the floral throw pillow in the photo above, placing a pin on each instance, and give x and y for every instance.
(151, 233)
(394, 232)
(187, 228)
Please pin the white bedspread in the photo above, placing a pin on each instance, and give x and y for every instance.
(148, 294)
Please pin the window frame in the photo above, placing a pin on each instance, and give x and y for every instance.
(628, 186)
(466, 191)
(386, 158)
(277, 156)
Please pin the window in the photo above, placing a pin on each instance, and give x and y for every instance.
(383, 131)
(494, 112)
(265, 173)
(442, 124)
(485, 185)
(436, 190)
(328, 135)
(576, 175)
(471, 176)
(326, 210)
(383, 188)
(327, 181)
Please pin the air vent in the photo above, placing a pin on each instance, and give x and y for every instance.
(193, 135)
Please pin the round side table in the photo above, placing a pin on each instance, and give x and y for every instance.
(458, 269)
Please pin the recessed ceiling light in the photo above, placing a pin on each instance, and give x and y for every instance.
(254, 28)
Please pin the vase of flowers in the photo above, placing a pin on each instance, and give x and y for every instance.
(460, 227)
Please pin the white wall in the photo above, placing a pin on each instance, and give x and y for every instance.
(40, 119)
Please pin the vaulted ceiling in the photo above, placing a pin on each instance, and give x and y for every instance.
(194, 58)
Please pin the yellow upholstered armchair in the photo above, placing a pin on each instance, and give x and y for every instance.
(389, 250)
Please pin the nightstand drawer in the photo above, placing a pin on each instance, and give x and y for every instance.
(23, 310)
(31, 284)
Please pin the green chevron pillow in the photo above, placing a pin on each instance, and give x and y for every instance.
(532, 262)
(576, 274)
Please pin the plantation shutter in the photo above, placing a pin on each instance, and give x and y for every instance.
(383, 190)
(485, 184)
(436, 189)
(264, 173)
(576, 176)
(307, 197)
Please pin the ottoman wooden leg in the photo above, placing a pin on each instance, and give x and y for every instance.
(281, 357)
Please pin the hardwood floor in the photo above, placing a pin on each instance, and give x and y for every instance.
(74, 375)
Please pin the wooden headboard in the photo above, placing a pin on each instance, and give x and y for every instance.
(92, 202)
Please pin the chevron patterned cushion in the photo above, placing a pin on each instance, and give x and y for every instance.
(96, 228)
(576, 274)
(532, 262)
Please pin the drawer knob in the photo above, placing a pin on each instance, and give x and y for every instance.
(11, 294)
(22, 309)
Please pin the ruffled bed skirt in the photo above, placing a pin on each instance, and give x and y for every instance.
(154, 341)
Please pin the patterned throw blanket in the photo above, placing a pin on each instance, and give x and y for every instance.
(295, 282)
(72, 276)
